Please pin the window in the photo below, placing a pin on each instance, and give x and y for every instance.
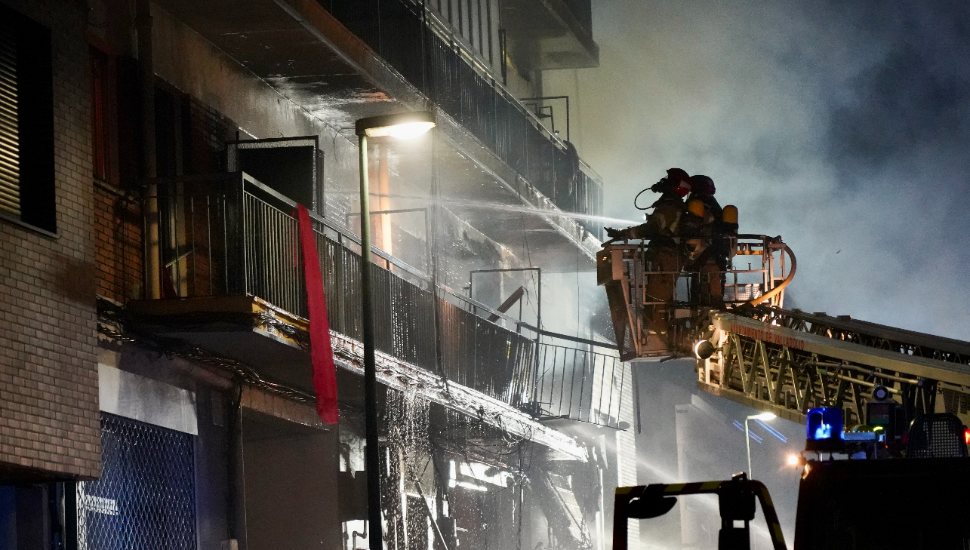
(100, 126)
(26, 122)
(9, 142)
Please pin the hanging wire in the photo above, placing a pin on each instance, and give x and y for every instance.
(111, 322)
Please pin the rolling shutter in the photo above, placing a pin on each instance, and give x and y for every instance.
(9, 139)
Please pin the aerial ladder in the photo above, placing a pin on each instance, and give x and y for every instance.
(748, 348)
(753, 351)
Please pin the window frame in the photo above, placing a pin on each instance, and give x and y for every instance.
(35, 131)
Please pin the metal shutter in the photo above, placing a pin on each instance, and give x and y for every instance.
(9, 140)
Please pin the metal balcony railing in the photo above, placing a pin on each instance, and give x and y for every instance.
(231, 235)
(655, 309)
(462, 86)
(579, 384)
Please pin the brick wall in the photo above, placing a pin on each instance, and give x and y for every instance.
(119, 246)
(49, 420)
(209, 131)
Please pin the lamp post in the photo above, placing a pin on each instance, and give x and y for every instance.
(400, 126)
(747, 436)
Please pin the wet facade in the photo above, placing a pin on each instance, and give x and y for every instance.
(156, 376)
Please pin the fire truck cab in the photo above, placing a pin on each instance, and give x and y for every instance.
(886, 485)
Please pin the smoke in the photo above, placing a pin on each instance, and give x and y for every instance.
(843, 127)
(688, 435)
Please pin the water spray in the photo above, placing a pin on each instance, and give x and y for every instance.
(521, 209)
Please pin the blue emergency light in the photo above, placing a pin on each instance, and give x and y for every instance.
(823, 430)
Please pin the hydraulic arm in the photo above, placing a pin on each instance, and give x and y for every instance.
(790, 361)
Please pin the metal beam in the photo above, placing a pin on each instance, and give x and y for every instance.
(842, 350)
(784, 370)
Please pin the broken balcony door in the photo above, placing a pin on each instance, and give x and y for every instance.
(292, 167)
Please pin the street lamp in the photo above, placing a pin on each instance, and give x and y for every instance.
(401, 126)
(747, 436)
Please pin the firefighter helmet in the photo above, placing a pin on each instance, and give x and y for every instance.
(677, 174)
(702, 185)
(680, 180)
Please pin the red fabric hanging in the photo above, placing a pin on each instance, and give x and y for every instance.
(321, 348)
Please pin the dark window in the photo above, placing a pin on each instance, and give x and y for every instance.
(101, 119)
(26, 122)
(129, 150)
(170, 114)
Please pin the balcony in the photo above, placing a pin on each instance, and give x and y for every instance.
(363, 58)
(448, 74)
(234, 287)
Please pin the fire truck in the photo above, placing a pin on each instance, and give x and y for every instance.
(885, 461)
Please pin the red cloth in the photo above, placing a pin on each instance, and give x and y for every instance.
(321, 348)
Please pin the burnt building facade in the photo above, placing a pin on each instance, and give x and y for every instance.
(156, 376)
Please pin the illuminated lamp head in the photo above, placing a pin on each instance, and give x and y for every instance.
(400, 126)
(880, 393)
(703, 349)
(730, 214)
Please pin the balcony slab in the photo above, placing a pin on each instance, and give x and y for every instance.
(273, 343)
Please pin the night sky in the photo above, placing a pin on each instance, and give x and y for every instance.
(842, 126)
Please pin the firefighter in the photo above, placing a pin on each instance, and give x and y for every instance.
(664, 221)
(702, 188)
(663, 258)
(724, 221)
(667, 210)
(705, 244)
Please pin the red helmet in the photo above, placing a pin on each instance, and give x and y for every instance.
(681, 179)
(702, 185)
